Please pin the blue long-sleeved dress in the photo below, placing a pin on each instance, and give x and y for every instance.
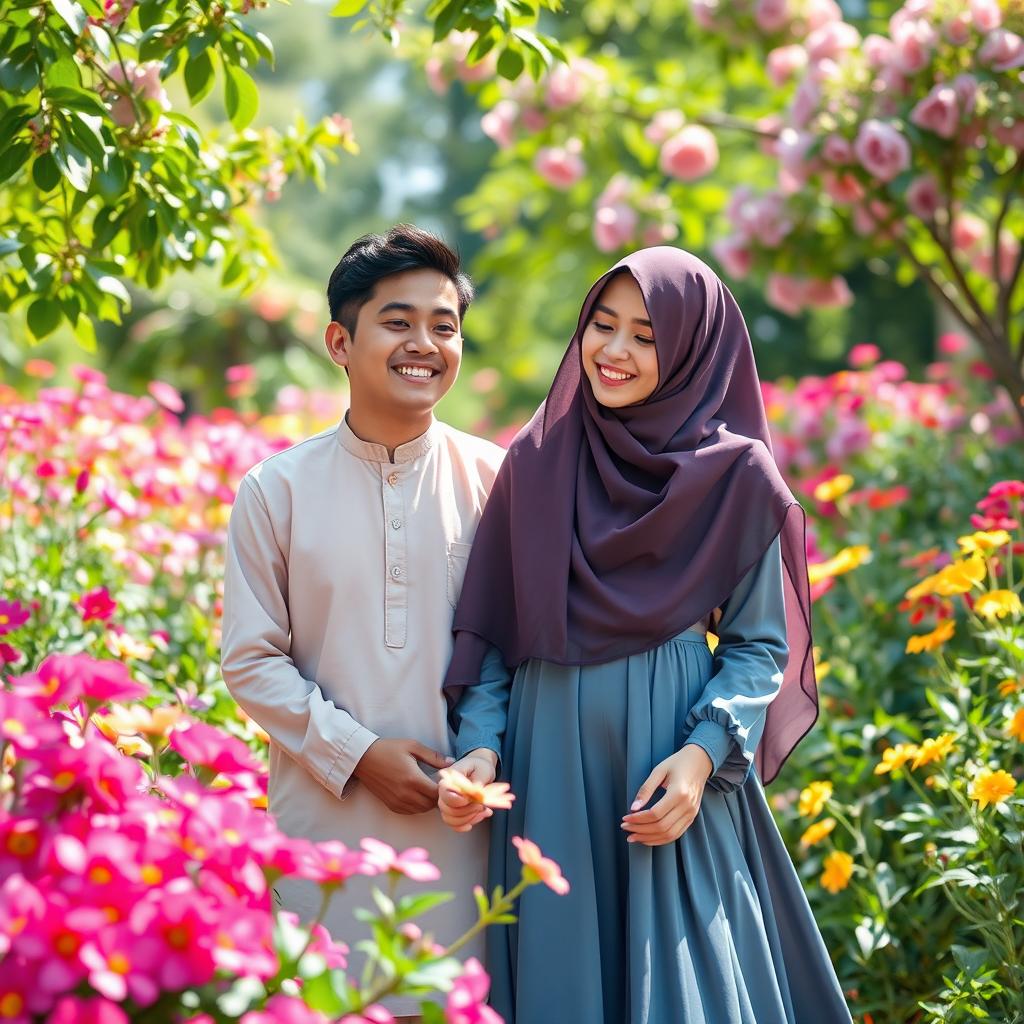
(712, 929)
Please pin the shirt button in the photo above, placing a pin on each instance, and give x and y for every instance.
(396, 571)
(392, 479)
(396, 524)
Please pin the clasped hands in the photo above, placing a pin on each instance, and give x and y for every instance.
(683, 776)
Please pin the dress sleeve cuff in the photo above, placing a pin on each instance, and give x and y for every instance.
(713, 739)
(355, 744)
(468, 741)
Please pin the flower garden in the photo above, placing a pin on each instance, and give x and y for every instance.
(138, 856)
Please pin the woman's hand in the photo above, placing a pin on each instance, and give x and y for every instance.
(458, 811)
(682, 776)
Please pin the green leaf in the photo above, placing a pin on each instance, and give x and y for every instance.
(319, 993)
(112, 286)
(43, 317)
(14, 157)
(63, 72)
(112, 176)
(241, 98)
(77, 99)
(45, 172)
(510, 64)
(150, 13)
(199, 76)
(19, 74)
(73, 14)
(447, 18)
(347, 8)
(74, 164)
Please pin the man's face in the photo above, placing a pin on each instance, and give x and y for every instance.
(407, 346)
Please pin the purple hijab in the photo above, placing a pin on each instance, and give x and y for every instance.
(610, 531)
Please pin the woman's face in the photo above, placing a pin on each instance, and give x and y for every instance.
(619, 355)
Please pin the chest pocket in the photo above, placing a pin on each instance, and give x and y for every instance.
(458, 559)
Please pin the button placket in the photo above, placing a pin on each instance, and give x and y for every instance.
(395, 559)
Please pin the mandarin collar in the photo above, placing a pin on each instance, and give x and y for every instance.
(370, 452)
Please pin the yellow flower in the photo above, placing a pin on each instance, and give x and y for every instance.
(845, 561)
(821, 668)
(816, 832)
(814, 798)
(959, 577)
(1016, 726)
(997, 604)
(838, 871)
(123, 646)
(934, 749)
(983, 541)
(930, 641)
(922, 589)
(991, 787)
(896, 757)
(829, 490)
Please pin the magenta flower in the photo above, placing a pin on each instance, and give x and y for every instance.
(24, 725)
(208, 747)
(333, 863)
(466, 1001)
(183, 921)
(122, 964)
(70, 677)
(282, 1009)
(97, 604)
(166, 395)
(375, 1014)
(75, 1010)
(413, 863)
(13, 615)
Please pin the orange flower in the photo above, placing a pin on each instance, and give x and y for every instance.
(491, 794)
(538, 868)
(934, 749)
(930, 641)
(838, 871)
(1016, 726)
(818, 831)
(991, 787)
(1008, 687)
(896, 757)
(845, 561)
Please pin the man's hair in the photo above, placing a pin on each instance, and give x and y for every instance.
(372, 257)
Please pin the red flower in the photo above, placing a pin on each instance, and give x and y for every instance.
(97, 604)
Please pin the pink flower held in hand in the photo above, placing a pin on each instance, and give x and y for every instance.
(97, 604)
(882, 151)
(538, 868)
(413, 863)
(690, 154)
(559, 167)
(492, 794)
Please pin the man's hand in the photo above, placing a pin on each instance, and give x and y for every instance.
(390, 771)
(683, 776)
(459, 811)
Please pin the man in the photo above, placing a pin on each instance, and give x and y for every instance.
(345, 561)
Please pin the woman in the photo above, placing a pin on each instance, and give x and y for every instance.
(640, 505)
